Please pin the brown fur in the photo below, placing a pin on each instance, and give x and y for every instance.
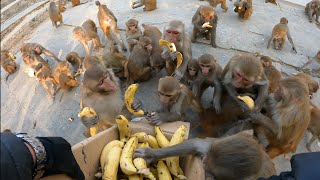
(37, 49)
(244, 9)
(271, 1)
(61, 6)
(74, 59)
(188, 79)
(32, 60)
(314, 126)
(55, 14)
(271, 72)
(223, 3)
(43, 74)
(75, 2)
(8, 64)
(313, 85)
(149, 5)
(313, 9)
(133, 37)
(116, 60)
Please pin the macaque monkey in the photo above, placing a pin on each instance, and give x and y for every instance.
(313, 85)
(174, 32)
(101, 91)
(37, 49)
(271, 1)
(62, 67)
(271, 73)
(87, 32)
(61, 6)
(108, 24)
(55, 14)
(175, 99)
(209, 75)
(115, 60)
(316, 58)
(234, 157)
(32, 60)
(8, 63)
(43, 73)
(149, 5)
(205, 14)
(76, 3)
(138, 67)
(133, 33)
(314, 125)
(191, 73)
(214, 3)
(313, 9)
(157, 62)
(243, 8)
(74, 59)
(279, 33)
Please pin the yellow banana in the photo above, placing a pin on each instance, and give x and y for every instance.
(161, 138)
(126, 163)
(89, 112)
(152, 141)
(141, 165)
(110, 170)
(143, 145)
(129, 98)
(135, 177)
(142, 136)
(106, 150)
(163, 171)
(11, 56)
(206, 25)
(248, 100)
(124, 128)
(173, 162)
(172, 48)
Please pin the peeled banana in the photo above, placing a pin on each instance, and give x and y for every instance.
(129, 98)
(163, 171)
(161, 138)
(89, 112)
(106, 150)
(124, 128)
(126, 163)
(152, 141)
(206, 25)
(141, 165)
(142, 136)
(172, 48)
(248, 100)
(110, 170)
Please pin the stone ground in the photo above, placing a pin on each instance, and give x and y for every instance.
(25, 106)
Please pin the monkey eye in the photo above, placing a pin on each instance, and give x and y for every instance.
(106, 76)
(162, 94)
(204, 65)
(172, 32)
(191, 69)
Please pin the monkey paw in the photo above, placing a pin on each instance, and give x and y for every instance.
(136, 105)
(145, 153)
(214, 45)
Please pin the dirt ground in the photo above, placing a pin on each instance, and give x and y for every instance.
(25, 107)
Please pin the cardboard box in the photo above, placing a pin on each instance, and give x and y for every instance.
(87, 152)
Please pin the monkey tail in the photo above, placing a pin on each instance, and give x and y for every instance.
(98, 3)
(7, 76)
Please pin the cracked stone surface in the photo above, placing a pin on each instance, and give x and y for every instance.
(25, 107)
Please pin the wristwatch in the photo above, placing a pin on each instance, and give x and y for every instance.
(40, 151)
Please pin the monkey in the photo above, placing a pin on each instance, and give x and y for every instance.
(243, 8)
(32, 60)
(157, 62)
(77, 3)
(191, 74)
(138, 67)
(37, 49)
(314, 125)
(313, 9)
(62, 67)
(174, 32)
(115, 60)
(214, 4)
(133, 33)
(175, 99)
(8, 63)
(108, 24)
(43, 74)
(149, 5)
(313, 85)
(209, 75)
(271, 1)
(61, 6)
(87, 32)
(316, 58)
(279, 33)
(271, 73)
(205, 14)
(55, 14)
(74, 59)
(222, 157)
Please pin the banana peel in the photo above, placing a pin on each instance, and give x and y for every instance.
(172, 48)
(248, 100)
(129, 98)
(89, 112)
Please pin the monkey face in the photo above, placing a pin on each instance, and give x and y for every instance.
(172, 35)
(192, 71)
(206, 16)
(167, 98)
(133, 28)
(26, 58)
(37, 50)
(78, 32)
(106, 84)
(239, 80)
(205, 69)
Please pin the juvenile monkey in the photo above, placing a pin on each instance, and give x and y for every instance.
(279, 33)
(205, 14)
(314, 126)
(37, 49)
(74, 59)
(55, 14)
(209, 75)
(243, 8)
(133, 33)
(87, 32)
(313, 9)
(32, 60)
(43, 74)
(115, 60)
(191, 73)
(108, 24)
(271, 73)
(8, 62)
(313, 85)
(149, 5)
(214, 3)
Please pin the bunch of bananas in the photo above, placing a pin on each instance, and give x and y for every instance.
(120, 153)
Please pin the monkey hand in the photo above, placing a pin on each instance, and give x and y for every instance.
(145, 153)
(154, 118)
(217, 105)
(177, 74)
(89, 122)
(137, 105)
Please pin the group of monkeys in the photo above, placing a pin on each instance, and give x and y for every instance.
(281, 115)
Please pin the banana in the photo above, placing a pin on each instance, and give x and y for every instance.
(129, 98)
(141, 165)
(126, 163)
(162, 140)
(124, 128)
(206, 25)
(163, 171)
(173, 162)
(248, 100)
(142, 136)
(89, 112)
(12, 57)
(143, 145)
(172, 48)
(110, 170)
(135, 177)
(106, 150)
(152, 141)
